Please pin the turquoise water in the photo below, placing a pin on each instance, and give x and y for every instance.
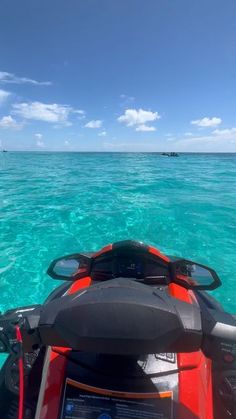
(58, 203)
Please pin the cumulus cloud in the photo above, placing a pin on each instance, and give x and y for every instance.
(144, 128)
(94, 124)
(102, 134)
(7, 122)
(138, 118)
(38, 111)
(3, 95)
(207, 122)
(66, 142)
(6, 77)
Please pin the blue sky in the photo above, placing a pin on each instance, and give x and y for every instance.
(126, 75)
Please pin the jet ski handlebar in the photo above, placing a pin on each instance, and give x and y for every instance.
(102, 320)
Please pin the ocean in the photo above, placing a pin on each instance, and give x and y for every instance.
(53, 204)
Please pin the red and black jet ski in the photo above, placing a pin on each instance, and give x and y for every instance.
(132, 333)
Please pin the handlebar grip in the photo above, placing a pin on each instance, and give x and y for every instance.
(26, 318)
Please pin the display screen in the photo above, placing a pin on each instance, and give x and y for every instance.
(130, 267)
(87, 402)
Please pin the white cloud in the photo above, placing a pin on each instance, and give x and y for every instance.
(6, 77)
(94, 124)
(144, 128)
(7, 122)
(67, 142)
(38, 111)
(138, 118)
(225, 132)
(40, 144)
(207, 122)
(39, 136)
(102, 134)
(3, 95)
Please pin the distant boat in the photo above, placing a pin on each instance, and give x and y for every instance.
(4, 151)
(172, 154)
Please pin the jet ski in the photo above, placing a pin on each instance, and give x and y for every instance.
(130, 333)
(172, 154)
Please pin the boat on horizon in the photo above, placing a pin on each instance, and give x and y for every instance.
(171, 154)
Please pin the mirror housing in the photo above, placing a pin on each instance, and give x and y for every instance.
(192, 275)
(70, 267)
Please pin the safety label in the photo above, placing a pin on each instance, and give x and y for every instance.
(87, 402)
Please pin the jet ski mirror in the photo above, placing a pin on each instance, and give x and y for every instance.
(193, 275)
(70, 268)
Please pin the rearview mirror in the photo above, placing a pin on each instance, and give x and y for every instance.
(70, 267)
(193, 275)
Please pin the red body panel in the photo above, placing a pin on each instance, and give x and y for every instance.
(105, 249)
(51, 385)
(79, 284)
(195, 382)
(195, 386)
(156, 252)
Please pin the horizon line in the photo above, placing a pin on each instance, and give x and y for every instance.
(114, 151)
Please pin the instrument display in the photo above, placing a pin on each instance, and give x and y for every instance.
(129, 266)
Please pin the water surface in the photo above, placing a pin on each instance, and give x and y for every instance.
(58, 203)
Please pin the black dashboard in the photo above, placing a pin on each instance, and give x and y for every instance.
(129, 265)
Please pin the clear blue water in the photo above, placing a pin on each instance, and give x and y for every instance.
(53, 204)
